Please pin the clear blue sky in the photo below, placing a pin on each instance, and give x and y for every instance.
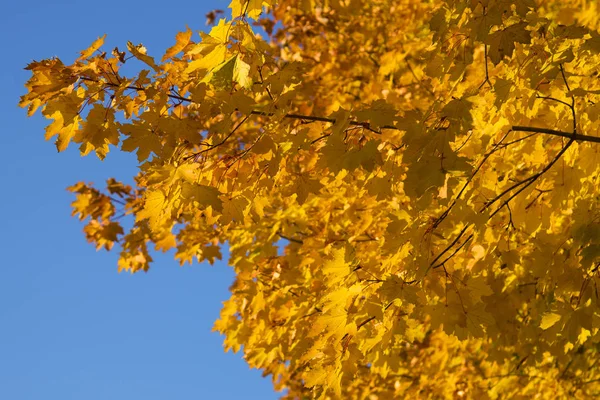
(71, 327)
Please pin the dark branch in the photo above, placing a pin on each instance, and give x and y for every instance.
(456, 239)
(525, 183)
(290, 239)
(569, 135)
(441, 263)
(366, 321)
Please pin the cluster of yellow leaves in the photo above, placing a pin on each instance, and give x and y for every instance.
(430, 169)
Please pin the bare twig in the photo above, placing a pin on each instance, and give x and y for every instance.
(441, 263)
(366, 321)
(525, 183)
(456, 239)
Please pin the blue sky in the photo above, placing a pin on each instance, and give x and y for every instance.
(71, 327)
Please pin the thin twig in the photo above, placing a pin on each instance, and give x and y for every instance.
(526, 182)
(487, 75)
(440, 264)
(456, 239)
(366, 321)
(290, 239)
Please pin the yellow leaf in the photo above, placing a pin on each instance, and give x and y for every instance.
(98, 131)
(424, 175)
(211, 253)
(141, 137)
(221, 31)
(336, 268)
(234, 209)
(92, 49)
(549, 319)
(139, 52)
(378, 113)
(221, 76)
(182, 40)
(66, 116)
(502, 42)
(250, 8)
(153, 211)
(188, 172)
(206, 196)
(165, 241)
(209, 61)
(240, 73)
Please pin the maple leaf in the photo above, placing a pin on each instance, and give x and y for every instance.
(213, 48)
(337, 269)
(250, 8)
(93, 48)
(221, 77)
(211, 253)
(303, 186)
(502, 89)
(140, 138)
(65, 114)
(336, 155)
(103, 235)
(502, 42)
(206, 196)
(234, 209)
(549, 319)
(49, 79)
(98, 131)
(425, 175)
(379, 113)
(182, 40)
(241, 72)
(139, 52)
(154, 209)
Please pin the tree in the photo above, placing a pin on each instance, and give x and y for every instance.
(409, 189)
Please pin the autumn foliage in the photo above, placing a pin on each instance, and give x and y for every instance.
(409, 189)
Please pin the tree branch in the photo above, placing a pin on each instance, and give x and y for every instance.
(576, 136)
(441, 263)
(366, 321)
(569, 135)
(456, 239)
(525, 183)
(289, 239)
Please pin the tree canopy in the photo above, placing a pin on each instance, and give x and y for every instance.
(409, 189)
